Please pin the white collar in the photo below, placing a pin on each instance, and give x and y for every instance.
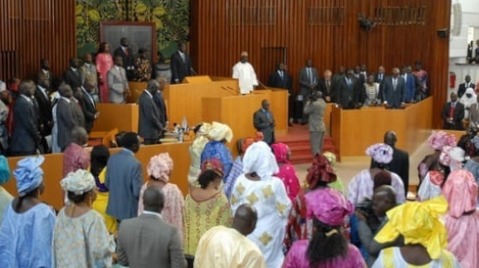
(45, 71)
(66, 99)
(42, 88)
(73, 69)
(124, 48)
(149, 94)
(152, 213)
(29, 99)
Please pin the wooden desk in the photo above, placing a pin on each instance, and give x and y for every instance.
(355, 130)
(121, 116)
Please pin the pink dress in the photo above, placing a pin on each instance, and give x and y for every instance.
(297, 258)
(104, 62)
(287, 172)
(174, 205)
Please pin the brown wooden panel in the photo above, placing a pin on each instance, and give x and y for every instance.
(327, 31)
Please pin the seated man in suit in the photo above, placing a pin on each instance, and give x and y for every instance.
(72, 75)
(118, 83)
(263, 121)
(281, 79)
(453, 113)
(88, 104)
(463, 86)
(148, 240)
(394, 91)
(149, 126)
(349, 91)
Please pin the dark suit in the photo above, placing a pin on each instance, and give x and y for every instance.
(326, 88)
(160, 104)
(306, 80)
(88, 106)
(149, 126)
(180, 68)
(394, 95)
(410, 86)
(45, 109)
(349, 95)
(399, 165)
(148, 241)
(124, 179)
(463, 87)
(456, 117)
(73, 78)
(262, 122)
(25, 137)
(78, 115)
(379, 78)
(65, 122)
(128, 60)
(286, 82)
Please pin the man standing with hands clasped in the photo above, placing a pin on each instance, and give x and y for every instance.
(314, 109)
(263, 121)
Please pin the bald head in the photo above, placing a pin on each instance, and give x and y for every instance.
(245, 219)
(153, 86)
(390, 138)
(153, 199)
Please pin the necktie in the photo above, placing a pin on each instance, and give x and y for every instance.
(126, 52)
(310, 75)
(395, 83)
(328, 84)
(281, 74)
(380, 77)
(451, 111)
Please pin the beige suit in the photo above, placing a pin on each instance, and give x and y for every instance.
(148, 241)
(117, 84)
(474, 114)
(317, 128)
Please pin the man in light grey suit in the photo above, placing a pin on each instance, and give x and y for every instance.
(394, 91)
(149, 241)
(118, 82)
(474, 113)
(65, 116)
(263, 121)
(149, 126)
(314, 108)
(124, 179)
(308, 80)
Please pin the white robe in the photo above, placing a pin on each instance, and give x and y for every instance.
(246, 76)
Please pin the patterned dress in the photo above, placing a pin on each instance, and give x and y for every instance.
(392, 257)
(143, 69)
(202, 216)
(268, 196)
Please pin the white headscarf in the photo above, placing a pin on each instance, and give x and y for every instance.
(259, 158)
(219, 132)
(78, 182)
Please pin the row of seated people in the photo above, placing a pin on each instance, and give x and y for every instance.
(158, 227)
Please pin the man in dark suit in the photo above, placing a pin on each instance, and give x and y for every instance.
(349, 91)
(380, 75)
(65, 116)
(308, 81)
(180, 65)
(409, 83)
(148, 240)
(281, 79)
(463, 86)
(45, 111)
(72, 75)
(126, 54)
(124, 179)
(26, 137)
(149, 126)
(263, 121)
(88, 104)
(453, 113)
(394, 91)
(160, 101)
(326, 86)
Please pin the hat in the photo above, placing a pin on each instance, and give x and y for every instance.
(381, 153)
(418, 223)
(160, 167)
(213, 164)
(204, 129)
(328, 206)
(4, 170)
(258, 158)
(244, 53)
(331, 158)
(78, 182)
(29, 174)
(460, 190)
(320, 170)
(439, 139)
(219, 132)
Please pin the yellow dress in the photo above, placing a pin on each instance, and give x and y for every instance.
(100, 205)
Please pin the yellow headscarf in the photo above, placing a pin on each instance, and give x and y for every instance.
(418, 223)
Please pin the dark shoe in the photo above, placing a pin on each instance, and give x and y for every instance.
(290, 124)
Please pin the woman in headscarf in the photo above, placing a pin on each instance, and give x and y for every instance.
(362, 185)
(195, 150)
(26, 233)
(328, 247)
(287, 172)
(468, 99)
(237, 168)
(425, 236)
(320, 176)
(206, 206)
(462, 218)
(338, 183)
(159, 170)
(267, 194)
(436, 141)
(451, 158)
(472, 165)
(99, 158)
(81, 238)
(5, 197)
(219, 134)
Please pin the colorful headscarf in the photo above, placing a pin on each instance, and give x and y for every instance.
(219, 132)
(160, 167)
(452, 157)
(320, 170)
(331, 158)
(460, 191)
(418, 223)
(328, 206)
(29, 174)
(439, 139)
(259, 158)
(4, 170)
(213, 164)
(281, 152)
(204, 129)
(78, 182)
(381, 153)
